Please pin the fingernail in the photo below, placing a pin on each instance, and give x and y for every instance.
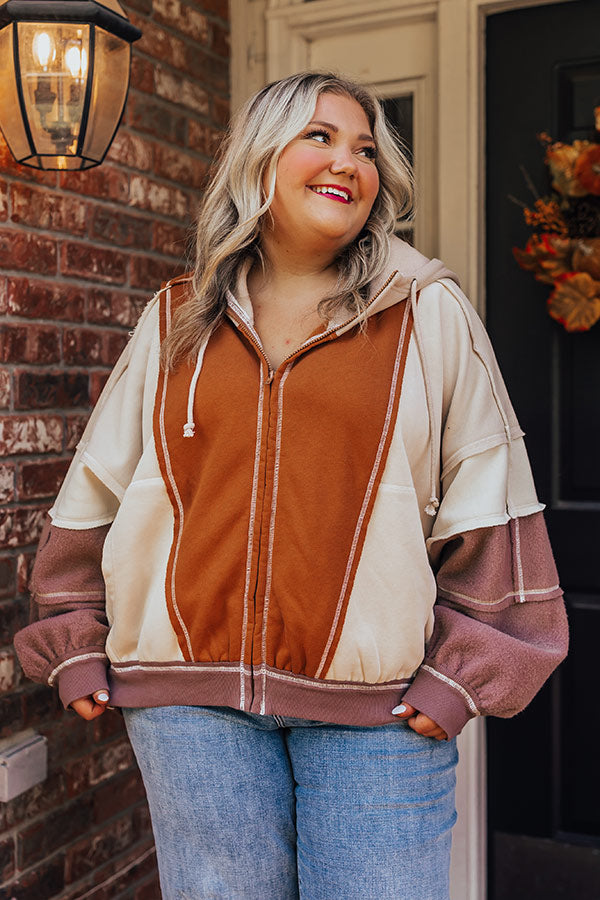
(102, 697)
(397, 710)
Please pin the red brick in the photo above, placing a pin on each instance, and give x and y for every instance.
(159, 43)
(4, 388)
(34, 802)
(74, 428)
(212, 71)
(13, 617)
(144, 6)
(7, 588)
(119, 793)
(218, 7)
(149, 272)
(204, 138)
(121, 230)
(93, 263)
(97, 849)
(115, 308)
(175, 165)
(91, 770)
(46, 880)
(82, 346)
(155, 117)
(8, 166)
(7, 858)
(220, 41)
(20, 525)
(175, 89)
(29, 343)
(42, 209)
(183, 18)
(3, 201)
(30, 434)
(97, 382)
(44, 300)
(105, 182)
(220, 110)
(158, 198)
(171, 239)
(150, 890)
(114, 344)
(39, 840)
(7, 482)
(11, 715)
(142, 74)
(27, 251)
(41, 479)
(44, 390)
(132, 151)
(10, 673)
(24, 567)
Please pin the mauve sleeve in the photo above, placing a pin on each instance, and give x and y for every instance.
(64, 642)
(500, 624)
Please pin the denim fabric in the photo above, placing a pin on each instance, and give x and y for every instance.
(248, 807)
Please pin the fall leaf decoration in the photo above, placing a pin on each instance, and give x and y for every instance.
(564, 249)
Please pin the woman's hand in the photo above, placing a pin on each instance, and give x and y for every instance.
(92, 706)
(419, 722)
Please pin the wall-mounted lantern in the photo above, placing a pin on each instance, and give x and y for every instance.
(64, 77)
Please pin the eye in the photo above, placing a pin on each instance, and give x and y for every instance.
(319, 134)
(369, 152)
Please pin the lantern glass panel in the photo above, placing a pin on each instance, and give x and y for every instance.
(12, 123)
(109, 91)
(54, 63)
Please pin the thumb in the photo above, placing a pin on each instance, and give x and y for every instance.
(101, 697)
(403, 711)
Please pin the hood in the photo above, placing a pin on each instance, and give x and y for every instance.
(407, 271)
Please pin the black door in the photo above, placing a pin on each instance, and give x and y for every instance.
(543, 74)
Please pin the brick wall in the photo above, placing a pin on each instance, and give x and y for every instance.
(80, 254)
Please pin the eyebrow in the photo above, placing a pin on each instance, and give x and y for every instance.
(334, 128)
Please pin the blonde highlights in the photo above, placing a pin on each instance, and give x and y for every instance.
(232, 213)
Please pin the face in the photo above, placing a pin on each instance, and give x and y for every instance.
(327, 179)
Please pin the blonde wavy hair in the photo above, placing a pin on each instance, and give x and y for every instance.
(233, 209)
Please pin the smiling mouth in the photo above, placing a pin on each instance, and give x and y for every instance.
(334, 192)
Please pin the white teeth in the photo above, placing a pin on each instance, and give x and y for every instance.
(331, 190)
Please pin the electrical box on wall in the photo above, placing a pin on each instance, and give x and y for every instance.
(23, 763)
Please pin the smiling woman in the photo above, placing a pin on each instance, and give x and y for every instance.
(299, 542)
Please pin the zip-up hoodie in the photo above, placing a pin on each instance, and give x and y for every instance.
(357, 527)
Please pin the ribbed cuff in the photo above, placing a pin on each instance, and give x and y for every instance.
(82, 678)
(440, 701)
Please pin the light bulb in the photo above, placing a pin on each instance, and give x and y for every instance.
(76, 60)
(43, 48)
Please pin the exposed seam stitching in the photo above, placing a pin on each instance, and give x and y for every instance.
(448, 593)
(69, 662)
(331, 685)
(369, 490)
(163, 440)
(251, 538)
(90, 594)
(269, 579)
(519, 562)
(457, 687)
(151, 667)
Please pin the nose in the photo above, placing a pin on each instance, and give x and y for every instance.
(343, 162)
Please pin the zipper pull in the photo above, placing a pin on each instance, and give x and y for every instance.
(270, 376)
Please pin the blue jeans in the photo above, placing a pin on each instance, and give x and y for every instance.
(249, 807)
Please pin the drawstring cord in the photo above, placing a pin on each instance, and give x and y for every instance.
(433, 505)
(190, 426)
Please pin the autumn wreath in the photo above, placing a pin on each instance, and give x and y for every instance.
(564, 249)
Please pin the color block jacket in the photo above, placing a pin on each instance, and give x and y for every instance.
(320, 541)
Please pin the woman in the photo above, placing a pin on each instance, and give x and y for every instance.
(295, 440)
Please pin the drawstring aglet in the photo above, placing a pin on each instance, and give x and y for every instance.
(432, 507)
(189, 429)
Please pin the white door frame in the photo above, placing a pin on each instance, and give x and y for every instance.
(269, 39)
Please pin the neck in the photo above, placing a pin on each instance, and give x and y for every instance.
(287, 260)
